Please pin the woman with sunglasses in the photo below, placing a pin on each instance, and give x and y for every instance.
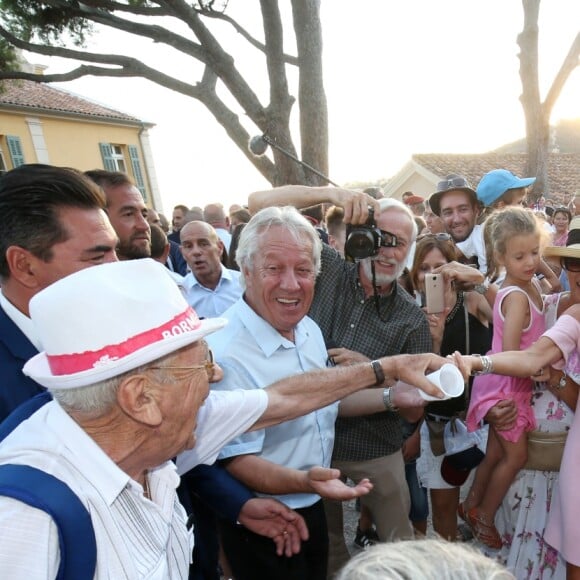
(462, 326)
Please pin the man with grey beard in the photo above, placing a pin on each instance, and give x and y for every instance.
(364, 313)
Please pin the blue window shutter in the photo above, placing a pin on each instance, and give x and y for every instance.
(107, 155)
(137, 173)
(15, 148)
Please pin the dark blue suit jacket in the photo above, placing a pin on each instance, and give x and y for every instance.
(178, 263)
(15, 350)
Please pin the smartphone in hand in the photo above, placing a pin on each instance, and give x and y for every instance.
(434, 293)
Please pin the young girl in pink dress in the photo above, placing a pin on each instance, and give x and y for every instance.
(518, 321)
(559, 347)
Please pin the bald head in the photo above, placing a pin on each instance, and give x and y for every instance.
(215, 215)
(202, 250)
(199, 228)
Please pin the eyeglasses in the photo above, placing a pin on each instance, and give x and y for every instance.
(451, 183)
(571, 264)
(208, 366)
(441, 237)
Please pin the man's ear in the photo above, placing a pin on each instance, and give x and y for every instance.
(166, 252)
(137, 398)
(22, 264)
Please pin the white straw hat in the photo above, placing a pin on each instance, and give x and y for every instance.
(105, 320)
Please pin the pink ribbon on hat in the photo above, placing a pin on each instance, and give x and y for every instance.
(67, 364)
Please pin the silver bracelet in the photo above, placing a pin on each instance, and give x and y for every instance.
(562, 382)
(486, 365)
(387, 400)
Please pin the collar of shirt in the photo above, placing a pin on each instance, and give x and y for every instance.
(106, 475)
(21, 320)
(266, 336)
(469, 245)
(190, 280)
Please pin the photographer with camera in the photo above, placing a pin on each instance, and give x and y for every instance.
(360, 307)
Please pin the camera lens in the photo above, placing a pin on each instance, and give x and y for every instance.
(360, 243)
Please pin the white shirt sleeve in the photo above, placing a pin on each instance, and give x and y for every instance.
(28, 542)
(223, 416)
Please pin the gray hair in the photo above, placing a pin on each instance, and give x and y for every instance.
(390, 204)
(433, 559)
(99, 398)
(287, 217)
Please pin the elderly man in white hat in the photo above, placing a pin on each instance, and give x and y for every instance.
(129, 371)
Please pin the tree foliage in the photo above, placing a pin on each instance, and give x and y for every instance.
(537, 112)
(62, 27)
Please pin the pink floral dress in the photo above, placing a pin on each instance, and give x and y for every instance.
(522, 517)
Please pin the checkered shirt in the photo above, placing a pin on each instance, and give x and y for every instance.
(349, 320)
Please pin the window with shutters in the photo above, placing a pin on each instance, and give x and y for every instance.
(3, 167)
(114, 159)
(137, 172)
(15, 150)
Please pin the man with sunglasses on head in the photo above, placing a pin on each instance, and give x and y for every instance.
(456, 203)
(363, 313)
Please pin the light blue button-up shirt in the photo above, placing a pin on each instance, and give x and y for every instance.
(212, 303)
(254, 355)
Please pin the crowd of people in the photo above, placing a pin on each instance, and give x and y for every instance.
(216, 388)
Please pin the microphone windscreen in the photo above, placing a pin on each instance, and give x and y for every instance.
(258, 145)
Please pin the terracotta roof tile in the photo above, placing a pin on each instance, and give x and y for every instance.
(563, 168)
(48, 98)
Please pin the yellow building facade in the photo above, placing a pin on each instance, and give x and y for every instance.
(42, 124)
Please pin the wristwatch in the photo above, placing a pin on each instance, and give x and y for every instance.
(482, 288)
(388, 401)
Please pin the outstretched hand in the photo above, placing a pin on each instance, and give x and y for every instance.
(411, 369)
(271, 518)
(326, 483)
(405, 396)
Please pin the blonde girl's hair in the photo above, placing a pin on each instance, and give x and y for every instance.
(505, 224)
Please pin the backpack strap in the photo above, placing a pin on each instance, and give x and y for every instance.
(76, 536)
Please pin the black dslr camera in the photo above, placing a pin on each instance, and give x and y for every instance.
(364, 241)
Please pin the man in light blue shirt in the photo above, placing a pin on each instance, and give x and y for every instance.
(252, 354)
(270, 337)
(210, 287)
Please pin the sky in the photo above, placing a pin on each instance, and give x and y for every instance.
(419, 76)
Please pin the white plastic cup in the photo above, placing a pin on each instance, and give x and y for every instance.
(449, 379)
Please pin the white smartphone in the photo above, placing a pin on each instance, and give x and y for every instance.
(434, 293)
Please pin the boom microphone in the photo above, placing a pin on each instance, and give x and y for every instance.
(259, 143)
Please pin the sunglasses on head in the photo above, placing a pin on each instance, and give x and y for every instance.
(441, 237)
(451, 183)
(571, 264)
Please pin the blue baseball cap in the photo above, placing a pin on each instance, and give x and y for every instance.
(495, 183)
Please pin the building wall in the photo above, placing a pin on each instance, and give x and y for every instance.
(71, 142)
(416, 183)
